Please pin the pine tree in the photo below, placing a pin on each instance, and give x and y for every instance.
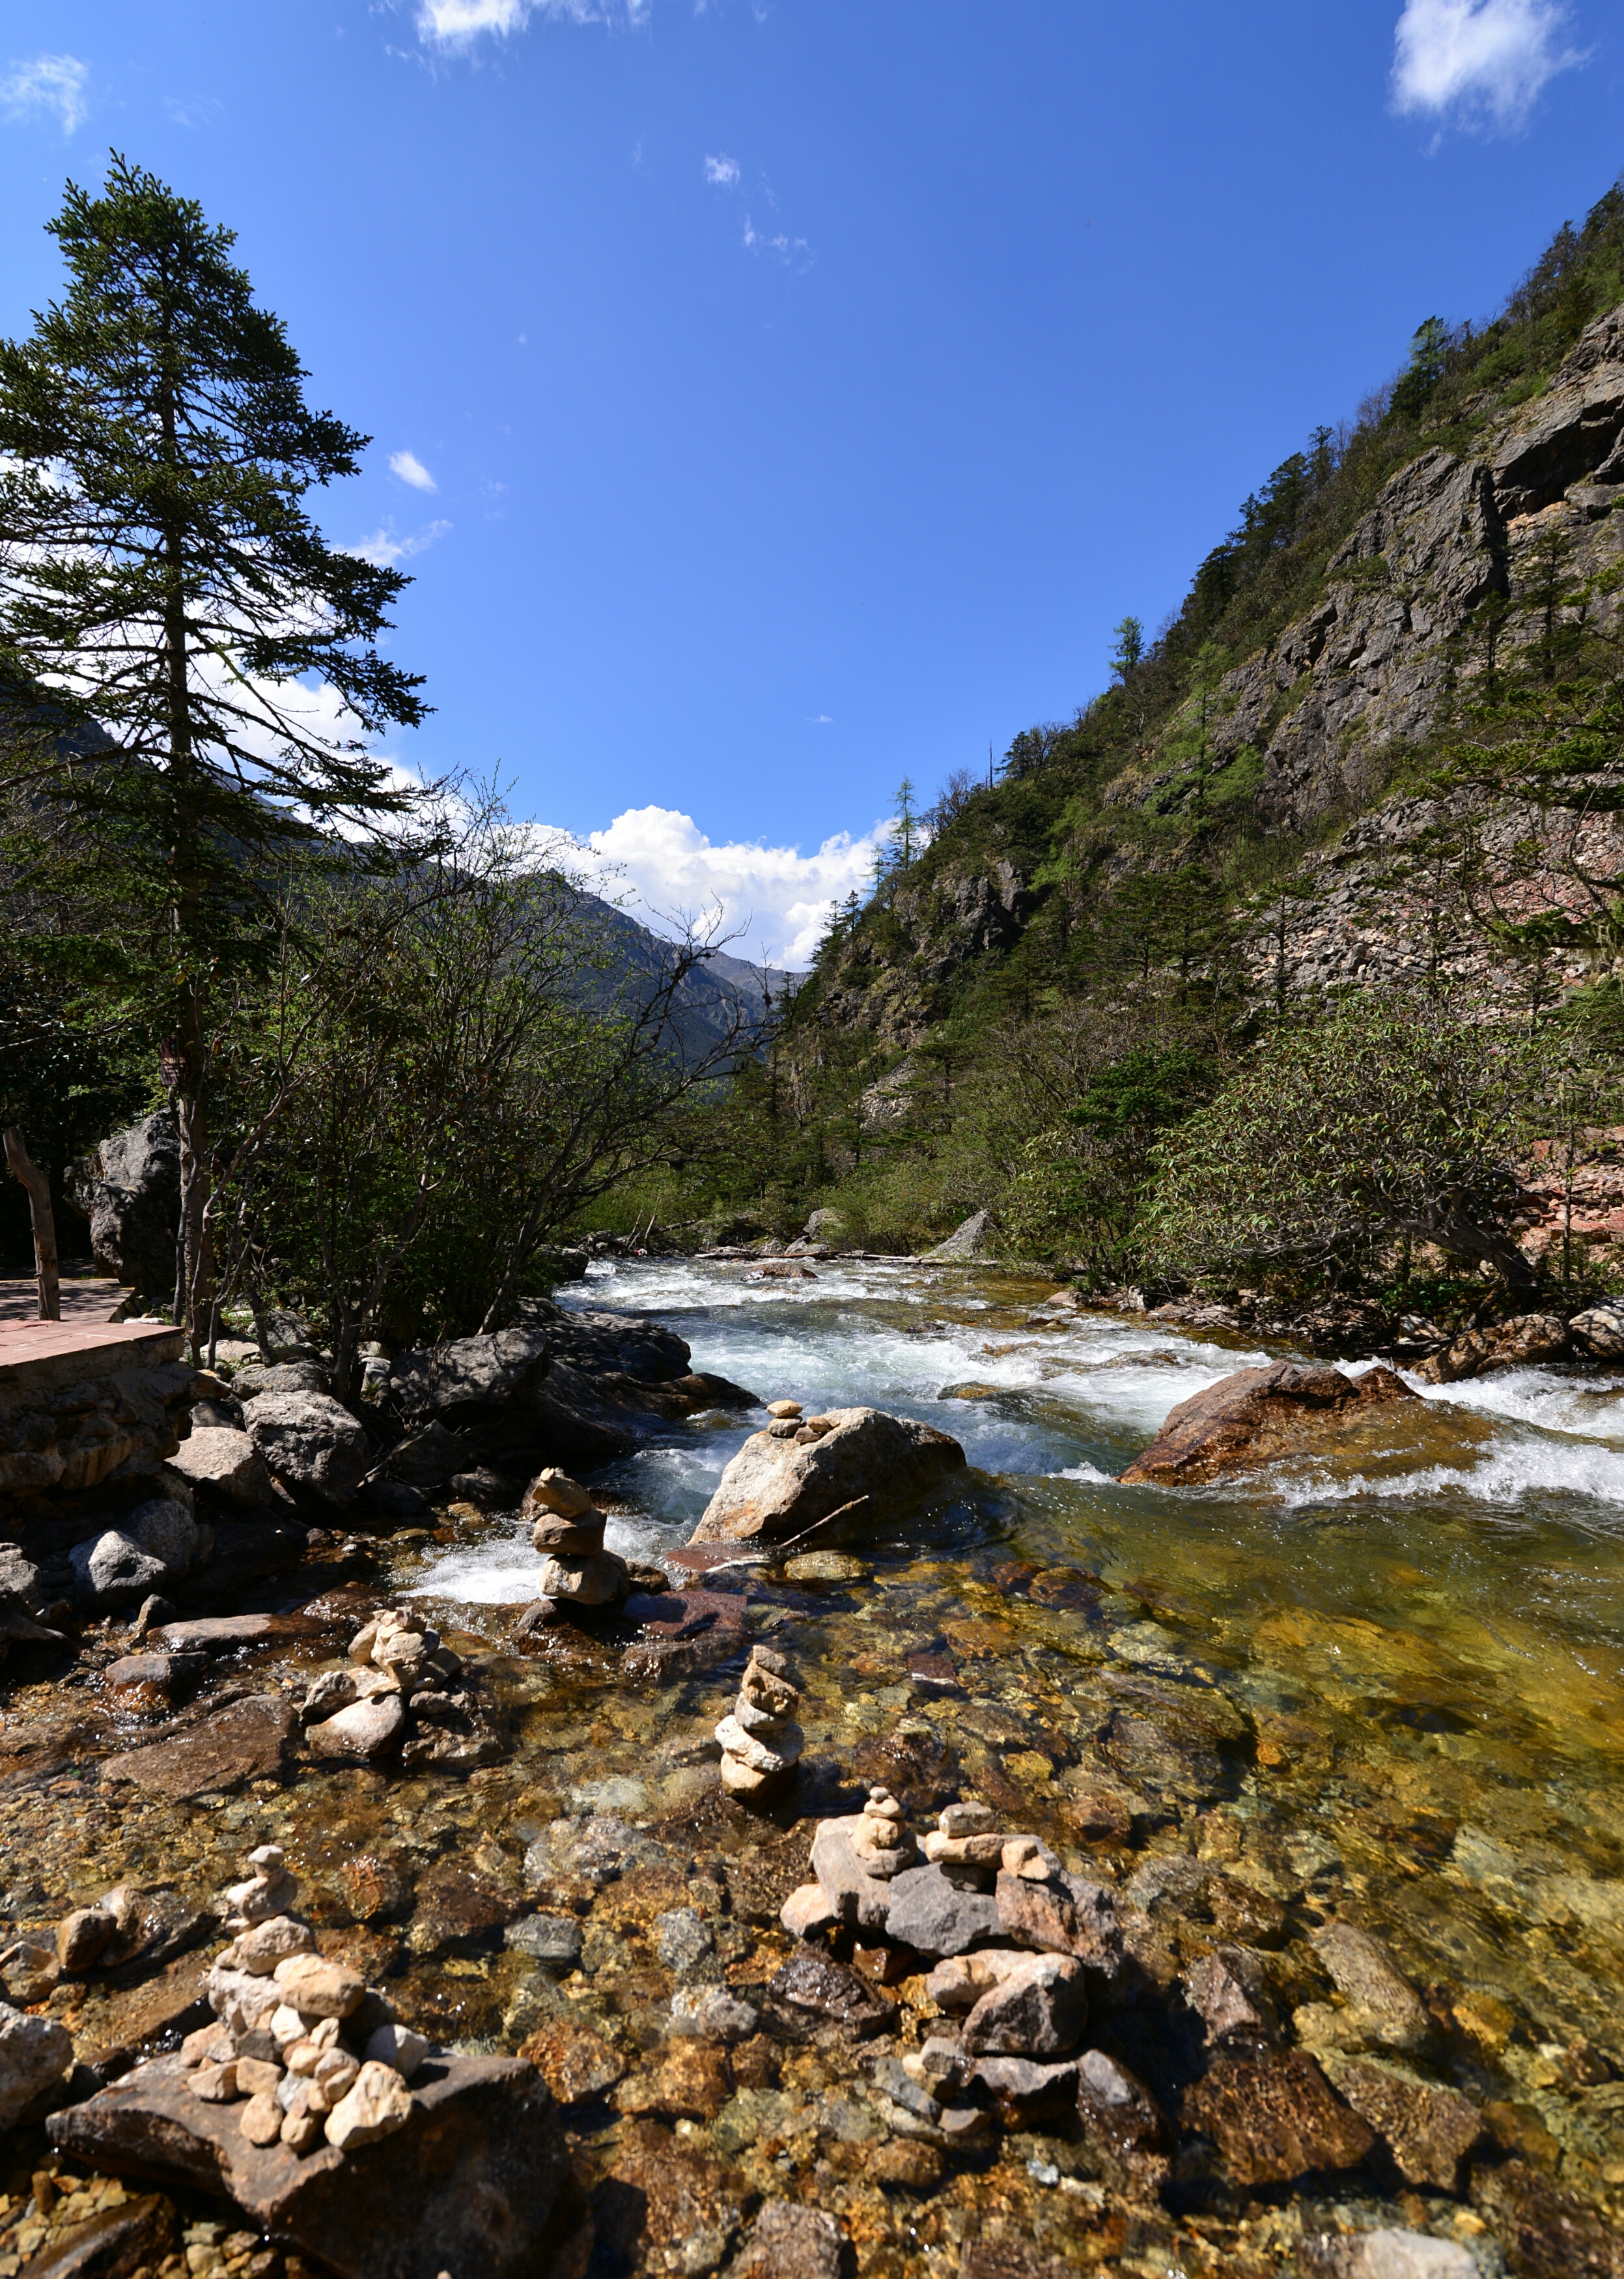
(160, 577)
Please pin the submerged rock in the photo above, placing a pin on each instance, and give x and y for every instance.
(777, 1487)
(1275, 2118)
(1257, 1414)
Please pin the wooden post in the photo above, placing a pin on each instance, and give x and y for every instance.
(44, 1224)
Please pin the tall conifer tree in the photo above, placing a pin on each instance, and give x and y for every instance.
(161, 581)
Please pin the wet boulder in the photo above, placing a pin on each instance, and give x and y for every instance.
(310, 1442)
(1273, 2118)
(1255, 1415)
(784, 1479)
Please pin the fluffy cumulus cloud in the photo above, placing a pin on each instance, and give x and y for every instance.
(1477, 59)
(47, 87)
(411, 469)
(722, 171)
(773, 903)
(459, 23)
(386, 547)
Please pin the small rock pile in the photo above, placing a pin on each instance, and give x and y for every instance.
(1009, 1937)
(576, 1570)
(761, 1743)
(310, 2054)
(402, 1677)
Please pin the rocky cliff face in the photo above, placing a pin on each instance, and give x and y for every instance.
(1363, 670)
(1324, 712)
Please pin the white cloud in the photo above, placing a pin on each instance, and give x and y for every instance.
(1476, 56)
(774, 902)
(386, 550)
(411, 469)
(458, 23)
(47, 84)
(722, 171)
(787, 248)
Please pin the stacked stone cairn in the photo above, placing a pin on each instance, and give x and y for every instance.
(310, 2054)
(1009, 1939)
(761, 1743)
(397, 1665)
(576, 1570)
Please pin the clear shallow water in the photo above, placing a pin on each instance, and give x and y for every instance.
(1482, 1550)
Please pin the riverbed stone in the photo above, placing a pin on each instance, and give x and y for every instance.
(365, 1729)
(1384, 2254)
(1228, 1991)
(815, 1982)
(1385, 2007)
(1275, 2118)
(928, 1913)
(774, 1489)
(577, 2064)
(147, 1679)
(1430, 2129)
(468, 2184)
(791, 2241)
(238, 1741)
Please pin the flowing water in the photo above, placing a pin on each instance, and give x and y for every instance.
(1425, 1637)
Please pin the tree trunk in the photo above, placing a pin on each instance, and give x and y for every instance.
(44, 1222)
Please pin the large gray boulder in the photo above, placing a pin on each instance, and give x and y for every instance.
(158, 1543)
(216, 1457)
(469, 1378)
(36, 2055)
(310, 1442)
(130, 1191)
(968, 1241)
(778, 1483)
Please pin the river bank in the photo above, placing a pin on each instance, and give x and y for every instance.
(1384, 1691)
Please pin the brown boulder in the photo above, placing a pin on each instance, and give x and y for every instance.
(1256, 1414)
(224, 1747)
(469, 2183)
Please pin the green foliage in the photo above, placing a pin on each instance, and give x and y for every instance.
(1396, 1117)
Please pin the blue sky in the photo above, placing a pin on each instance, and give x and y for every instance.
(776, 397)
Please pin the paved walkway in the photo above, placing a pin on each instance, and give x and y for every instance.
(89, 1298)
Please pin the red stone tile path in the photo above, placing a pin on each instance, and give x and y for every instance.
(90, 1299)
(30, 1346)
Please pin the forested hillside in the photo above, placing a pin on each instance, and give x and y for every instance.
(1377, 743)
